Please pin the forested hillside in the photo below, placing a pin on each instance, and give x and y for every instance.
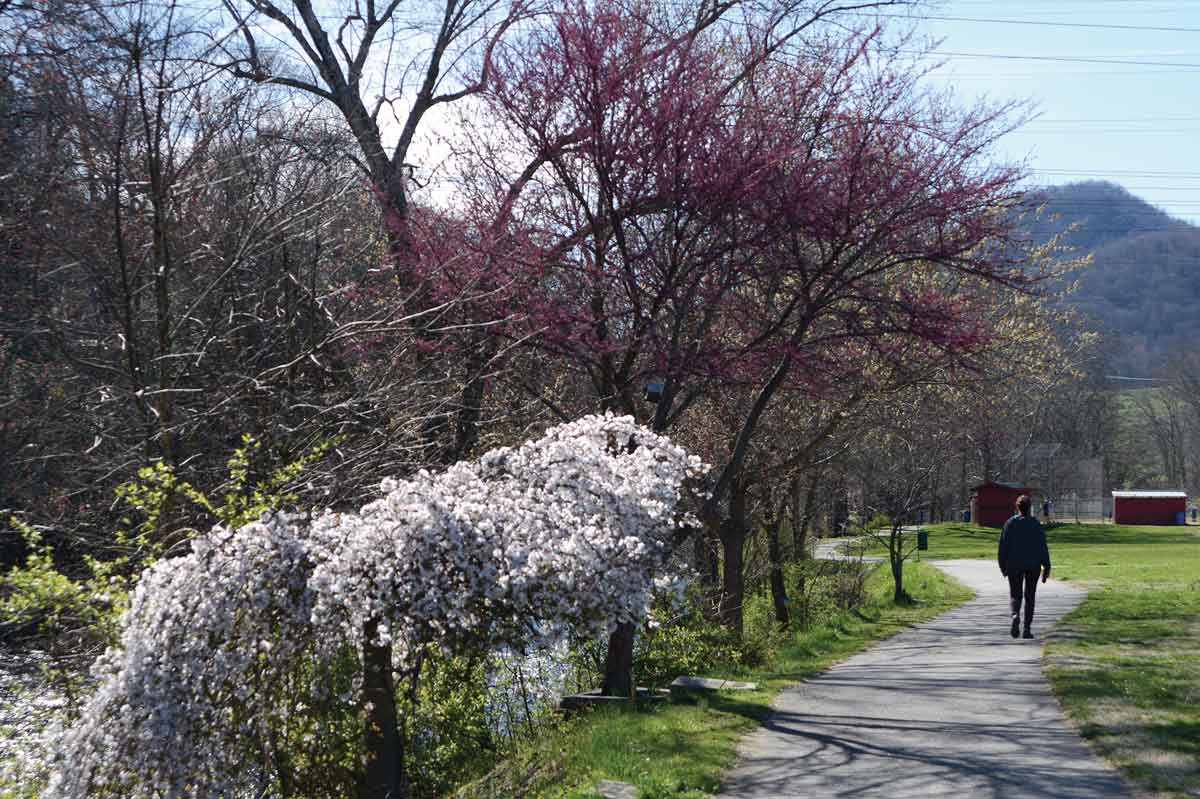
(1143, 287)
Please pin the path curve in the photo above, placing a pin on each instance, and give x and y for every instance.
(950, 708)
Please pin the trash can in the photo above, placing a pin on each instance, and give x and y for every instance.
(922, 539)
(1181, 517)
(966, 516)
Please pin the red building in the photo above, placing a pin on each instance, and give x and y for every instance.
(992, 504)
(1149, 507)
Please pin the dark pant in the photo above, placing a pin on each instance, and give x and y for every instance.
(1023, 585)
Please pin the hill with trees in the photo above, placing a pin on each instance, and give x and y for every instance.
(1142, 288)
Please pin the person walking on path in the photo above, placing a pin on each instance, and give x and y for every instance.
(1022, 554)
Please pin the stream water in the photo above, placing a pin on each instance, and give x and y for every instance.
(26, 703)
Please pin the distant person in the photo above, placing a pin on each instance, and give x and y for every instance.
(1046, 510)
(1022, 554)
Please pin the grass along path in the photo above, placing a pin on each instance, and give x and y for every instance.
(678, 751)
(1126, 663)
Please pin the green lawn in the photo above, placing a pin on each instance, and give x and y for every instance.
(1126, 663)
(679, 750)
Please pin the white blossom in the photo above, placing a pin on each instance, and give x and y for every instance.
(565, 533)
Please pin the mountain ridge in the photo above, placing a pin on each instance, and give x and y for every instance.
(1142, 290)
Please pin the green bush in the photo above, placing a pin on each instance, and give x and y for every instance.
(72, 617)
(687, 646)
(762, 635)
(451, 738)
(691, 643)
(880, 521)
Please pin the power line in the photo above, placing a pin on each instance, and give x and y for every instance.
(1089, 25)
(1057, 73)
(1108, 131)
(1114, 7)
(1135, 189)
(1067, 208)
(1054, 58)
(1118, 119)
(1042, 5)
(1195, 190)
(1132, 173)
(1106, 203)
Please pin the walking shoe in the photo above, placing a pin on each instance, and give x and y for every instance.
(1016, 626)
(1027, 634)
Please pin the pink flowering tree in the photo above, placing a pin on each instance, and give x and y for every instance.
(240, 668)
(754, 209)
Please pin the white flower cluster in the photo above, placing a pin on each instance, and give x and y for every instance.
(205, 637)
(563, 533)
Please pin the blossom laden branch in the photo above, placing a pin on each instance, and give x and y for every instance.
(565, 534)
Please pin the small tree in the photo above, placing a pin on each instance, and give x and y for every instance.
(895, 463)
(241, 666)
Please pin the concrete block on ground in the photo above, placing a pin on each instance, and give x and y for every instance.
(594, 698)
(611, 789)
(710, 684)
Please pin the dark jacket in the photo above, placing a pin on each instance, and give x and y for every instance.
(1023, 545)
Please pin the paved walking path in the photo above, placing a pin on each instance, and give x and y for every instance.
(952, 708)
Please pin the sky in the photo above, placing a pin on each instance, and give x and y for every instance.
(1119, 101)
(1116, 84)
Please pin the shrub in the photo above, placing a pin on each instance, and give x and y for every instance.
(452, 740)
(687, 646)
(849, 585)
(250, 627)
(880, 521)
(761, 632)
(73, 617)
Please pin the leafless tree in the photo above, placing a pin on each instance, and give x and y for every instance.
(186, 260)
(1164, 416)
(1184, 372)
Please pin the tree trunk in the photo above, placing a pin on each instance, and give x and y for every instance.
(800, 524)
(618, 663)
(618, 660)
(733, 543)
(707, 562)
(702, 559)
(733, 546)
(479, 353)
(801, 520)
(896, 555)
(841, 507)
(962, 485)
(383, 776)
(467, 428)
(774, 551)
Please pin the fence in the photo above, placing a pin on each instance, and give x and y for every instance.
(1070, 508)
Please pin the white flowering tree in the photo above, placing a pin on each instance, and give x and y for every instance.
(245, 667)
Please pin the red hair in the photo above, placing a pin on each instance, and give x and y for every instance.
(1023, 504)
